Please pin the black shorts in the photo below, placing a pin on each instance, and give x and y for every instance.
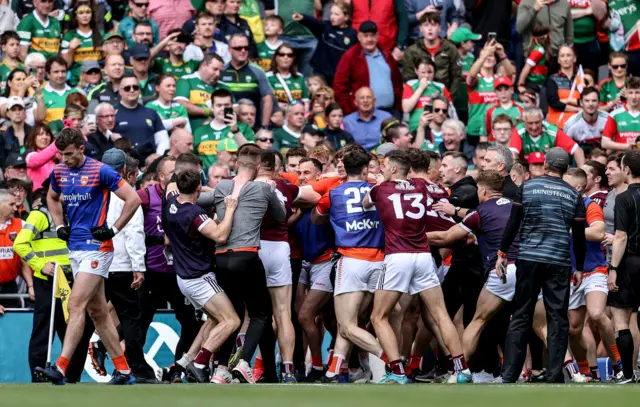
(628, 281)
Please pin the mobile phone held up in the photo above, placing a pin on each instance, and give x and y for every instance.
(492, 36)
(228, 111)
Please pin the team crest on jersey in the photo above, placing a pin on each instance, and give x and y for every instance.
(546, 147)
(84, 180)
(248, 78)
(173, 209)
(94, 264)
(347, 40)
(405, 186)
(187, 70)
(12, 236)
(502, 201)
(297, 85)
(149, 122)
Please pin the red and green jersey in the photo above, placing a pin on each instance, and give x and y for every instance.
(629, 12)
(481, 97)
(466, 62)
(433, 89)
(609, 91)
(622, 126)
(524, 144)
(584, 28)
(515, 112)
(538, 63)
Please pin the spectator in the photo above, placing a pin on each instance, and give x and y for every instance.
(359, 65)
(311, 137)
(491, 17)
(463, 39)
(273, 28)
(114, 44)
(246, 80)
(535, 134)
(18, 86)
(288, 136)
(56, 92)
(102, 139)
(452, 14)
(554, 14)
(218, 172)
(265, 139)
(285, 80)
(142, 34)
(334, 37)
(629, 17)
(418, 93)
(204, 41)
(391, 16)
(108, 92)
(83, 42)
(445, 55)
(10, 43)
(141, 61)
(41, 151)
(440, 108)
(453, 139)
(213, 7)
(35, 65)
(247, 112)
(612, 89)
(15, 167)
(138, 13)
(8, 19)
(501, 128)
(90, 76)
(11, 265)
(622, 128)
(38, 32)
(194, 91)
(364, 124)
(223, 126)
(227, 154)
(505, 105)
(231, 23)
(586, 126)
(16, 135)
(173, 114)
(320, 100)
(480, 85)
(396, 133)
(140, 125)
(536, 70)
(180, 142)
(335, 135)
(174, 63)
(170, 14)
(315, 82)
(562, 103)
(586, 19)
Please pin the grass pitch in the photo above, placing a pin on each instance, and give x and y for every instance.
(538, 395)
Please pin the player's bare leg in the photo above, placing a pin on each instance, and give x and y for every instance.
(488, 305)
(347, 307)
(281, 303)
(577, 347)
(540, 322)
(384, 303)
(311, 307)
(596, 305)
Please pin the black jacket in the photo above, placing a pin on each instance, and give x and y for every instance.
(338, 138)
(464, 194)
(100, 143)
(510, 188)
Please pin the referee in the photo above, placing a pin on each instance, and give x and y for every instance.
(624, 270)
(545, 210)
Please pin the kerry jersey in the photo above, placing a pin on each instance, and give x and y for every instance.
(38, 36)
(86, 52)
(296, 88)
(85, 197)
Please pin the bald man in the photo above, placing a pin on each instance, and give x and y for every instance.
(364, 124)
(181, 141)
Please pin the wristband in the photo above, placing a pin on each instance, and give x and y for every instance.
(612, 267)
(59, 227)
(502, 254)
(115, 230)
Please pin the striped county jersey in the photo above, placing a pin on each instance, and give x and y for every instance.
(86, 51)
(538, 63)
(40, 36)
(194, 90)
(524, 144)
(622, 126)
(265, 54)
(466, 62)
(297, 87)
(85, 193)
(629, 12)
(55, 102)
(426, 99)
(206, 140)
(164, 66)
(609, 91)
(173, 111)
(481, 97)
(5, 70)
(550, 205)
(515, 112)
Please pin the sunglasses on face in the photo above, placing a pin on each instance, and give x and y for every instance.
(439, 110)
(141, 4)
(296, 102)
(623, 66)
(264, 140)
(286, 54)
(241, 48)
(93, 72)
(131, 88)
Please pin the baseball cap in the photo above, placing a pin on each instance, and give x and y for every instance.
(502, 81)
(14, 101)
(368, 27)
(312, 130)
(535, 158)
(15, 160)
(557, 158)
(89, 66)
(229, 145)
(139, 51)
(115, 158)
(463, 34)
(110, 35)
(385, 148)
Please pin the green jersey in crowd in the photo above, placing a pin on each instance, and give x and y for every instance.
(5, 70)
(165, 67)
(167, 113)
(194, 90)
(40, 36)
(288, 88)
(481, 97)
(265, 54)
(85, 52)
(55, 102)
(426, 99)
(284, 137)
(206, 140)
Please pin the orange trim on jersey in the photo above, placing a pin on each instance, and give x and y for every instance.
(238, 249)
(291, 177)
(362, 253)
(325, 185)
(594, 213)
(599, 269)
(103, 210)
(323, 257)
(447, 260)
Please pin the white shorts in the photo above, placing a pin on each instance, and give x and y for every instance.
(90, 261)
(353, 275)
(592, 282)
(199, 290)
(304, 274)
(442, 271)
(408, 273)
(276, 259)
(320, 276)
(507, 290)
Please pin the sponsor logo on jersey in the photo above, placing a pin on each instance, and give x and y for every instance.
(365, 224)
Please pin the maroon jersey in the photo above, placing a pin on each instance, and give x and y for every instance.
(402, 209)
(599, 197)
(436, 221)
(271, 229)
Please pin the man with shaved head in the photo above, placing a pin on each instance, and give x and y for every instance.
(181, 141)
(364, 124)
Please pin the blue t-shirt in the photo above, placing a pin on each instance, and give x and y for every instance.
(85, 197)
(140, 126)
